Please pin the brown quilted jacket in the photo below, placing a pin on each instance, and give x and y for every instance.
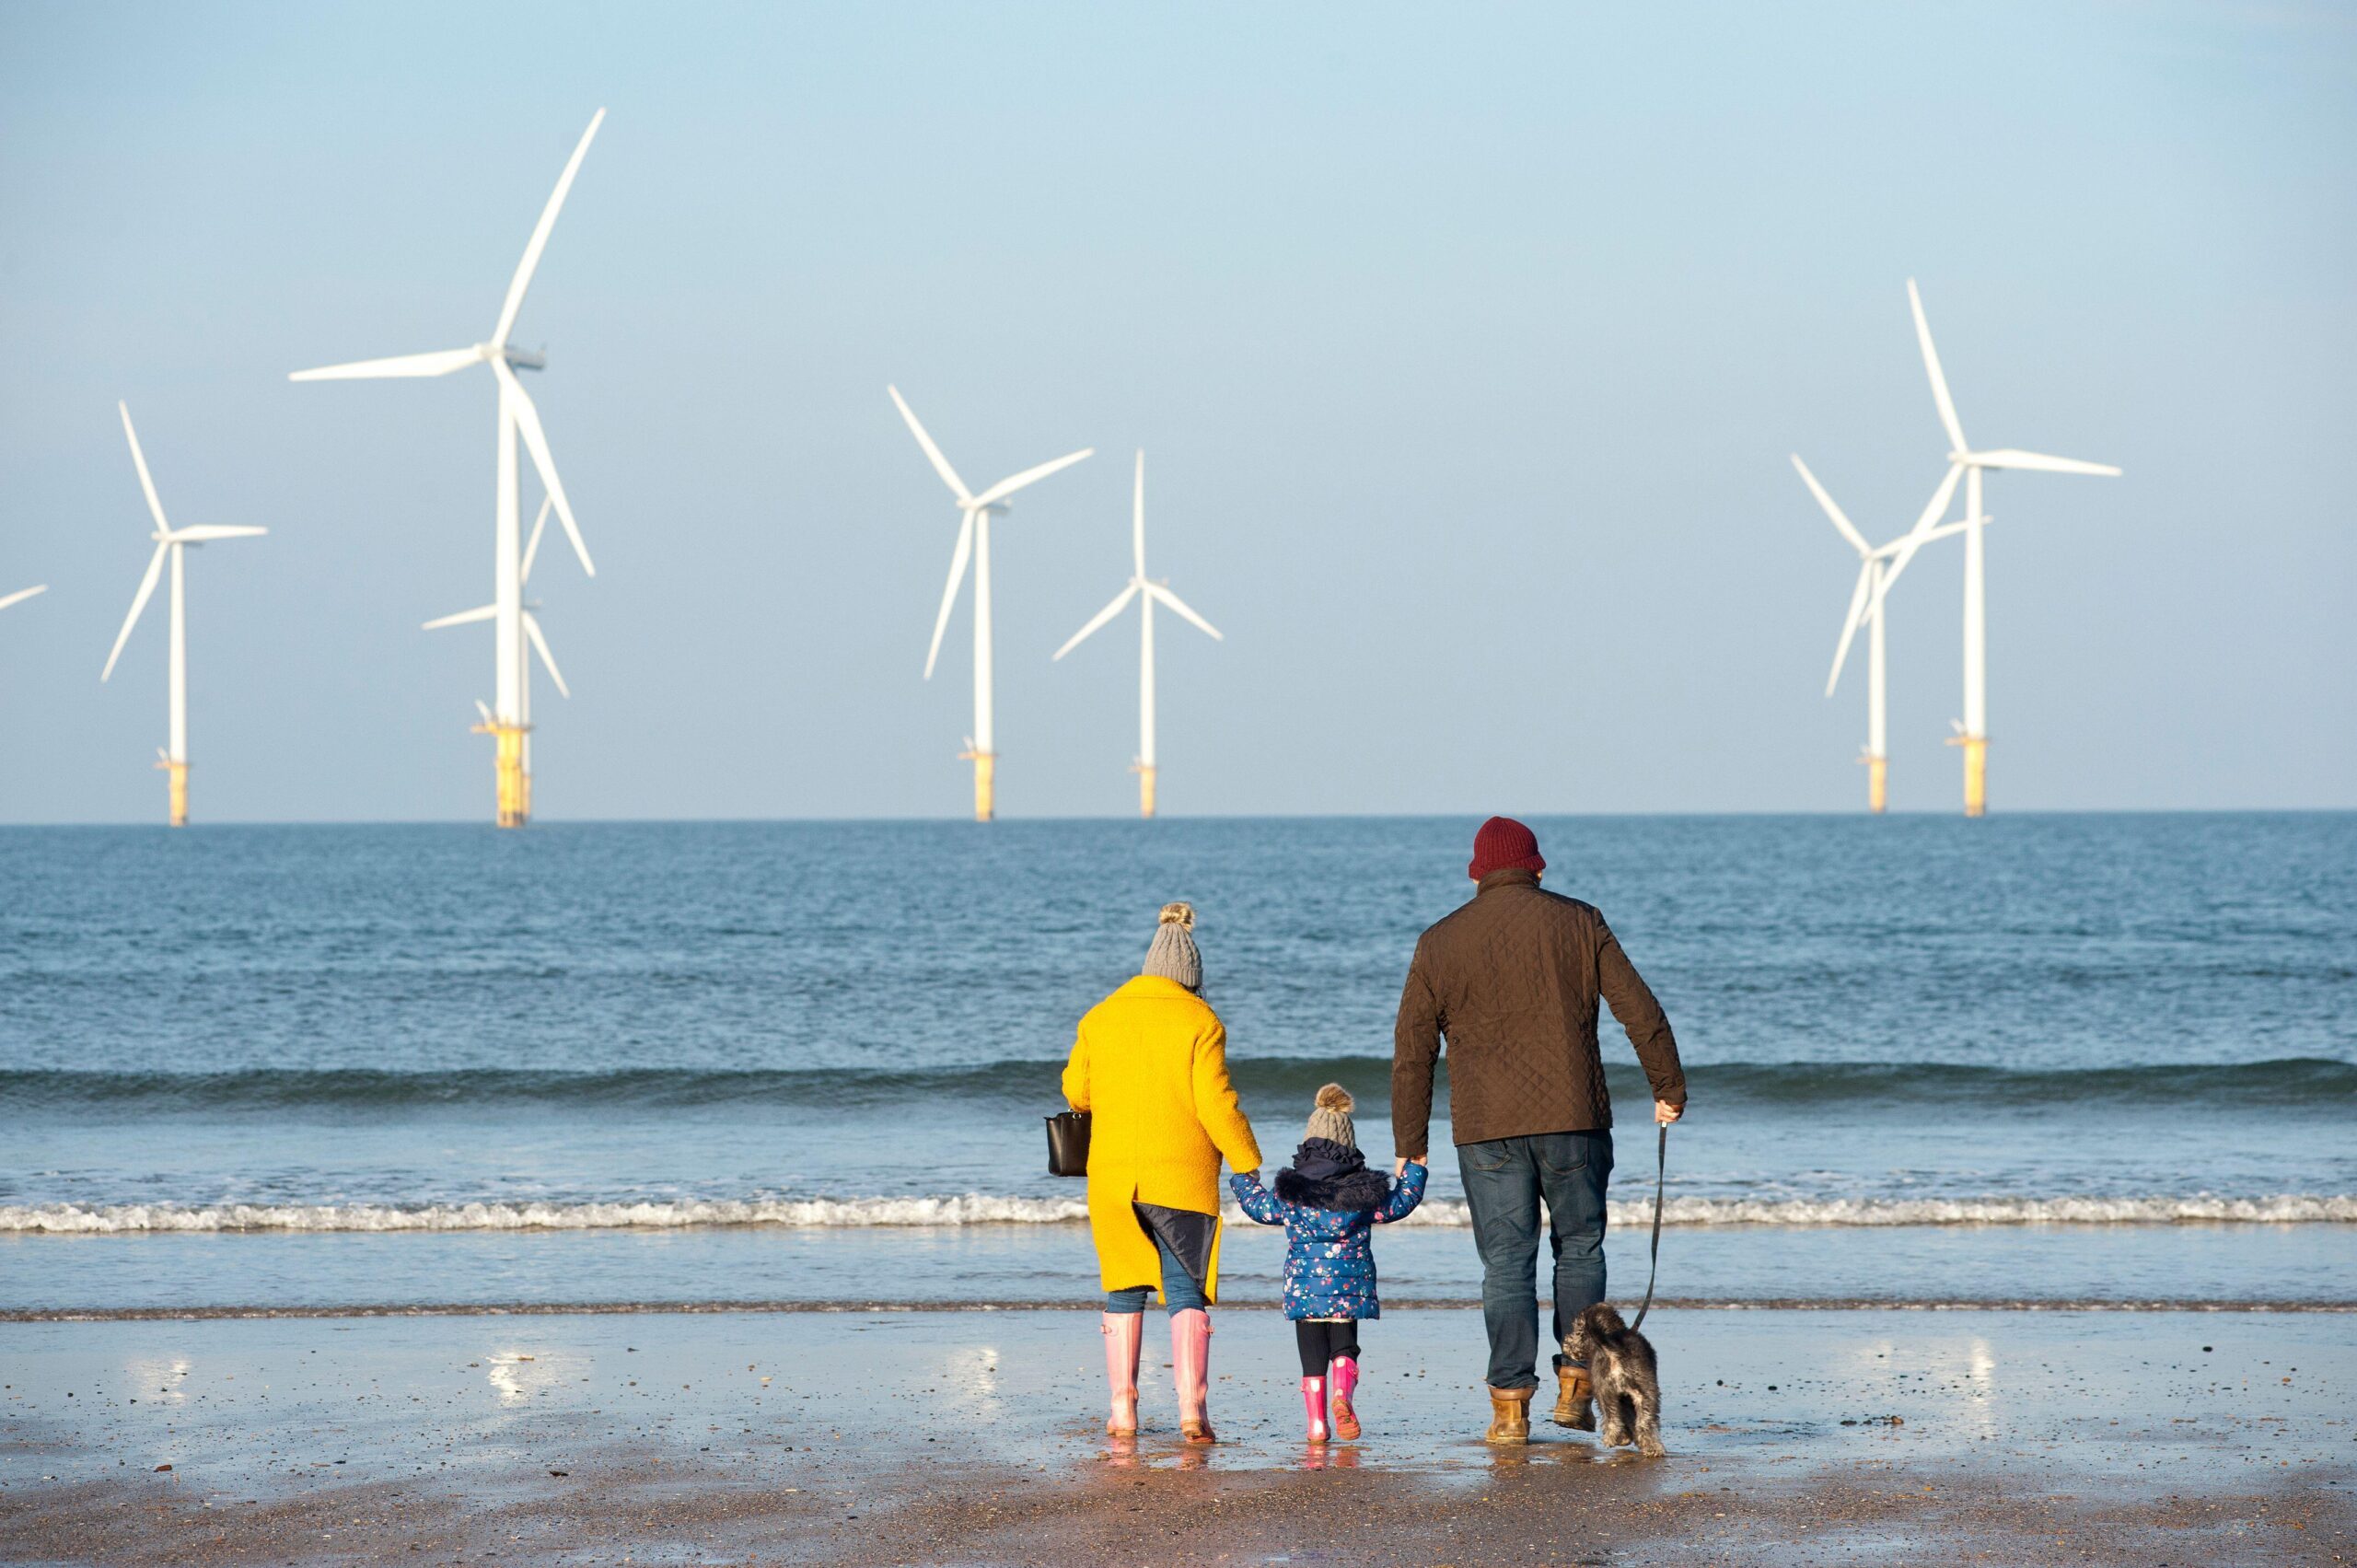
(1511, 981)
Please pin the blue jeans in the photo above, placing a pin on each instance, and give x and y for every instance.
(1504, 1179)
(1180, 1291)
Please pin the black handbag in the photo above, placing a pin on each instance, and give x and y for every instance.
(1068, 1144)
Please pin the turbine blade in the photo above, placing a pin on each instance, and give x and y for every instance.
(1850, 624)
(1848, 530)
(536, 441)
(957, 560)
(484, 709)
(21, 594)
(1903, 549)
(548, 660)
(1137, 519)
(532, 545)
(532, 248)
(138, 603)
(139, 461)
(205, 533)
(1931, 364)
(2008, 457)
(1174, 602)
(437, 364)
(933, 453)
(1121, 602)
(1006, 487)
(464, 618)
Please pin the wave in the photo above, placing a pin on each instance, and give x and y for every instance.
(983, 1209)
(1025, 1085)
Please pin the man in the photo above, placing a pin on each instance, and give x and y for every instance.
(1511, 981)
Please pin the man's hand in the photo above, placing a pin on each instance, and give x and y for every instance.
(1666, 1113)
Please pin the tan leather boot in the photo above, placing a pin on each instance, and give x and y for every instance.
(1509, 1416)
(1574, 1399)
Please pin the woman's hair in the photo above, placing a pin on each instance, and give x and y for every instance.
(1172, 954)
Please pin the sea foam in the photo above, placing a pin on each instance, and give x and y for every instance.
(985, 1208)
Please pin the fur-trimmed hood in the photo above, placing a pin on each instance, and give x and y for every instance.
(1328, 1175)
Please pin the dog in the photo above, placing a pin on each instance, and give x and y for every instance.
(1626, 1378)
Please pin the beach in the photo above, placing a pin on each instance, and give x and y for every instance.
(972, 1437)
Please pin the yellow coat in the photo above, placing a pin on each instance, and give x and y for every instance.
(1150, 1067)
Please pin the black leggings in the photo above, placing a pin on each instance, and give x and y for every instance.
(1322, 1343)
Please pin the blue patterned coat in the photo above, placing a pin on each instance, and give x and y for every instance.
(1329, 1259)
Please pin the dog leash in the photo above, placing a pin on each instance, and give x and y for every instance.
(1661, 1179)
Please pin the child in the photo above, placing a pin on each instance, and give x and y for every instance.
(1328, 1202)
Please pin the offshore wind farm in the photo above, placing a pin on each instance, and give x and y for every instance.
(640, 1160)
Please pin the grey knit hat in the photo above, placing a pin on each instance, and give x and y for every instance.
(1173, 955)
(1333, 1117)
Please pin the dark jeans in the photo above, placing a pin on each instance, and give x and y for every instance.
(1504, 1179)
(1180, 1291)
(1321, 1344)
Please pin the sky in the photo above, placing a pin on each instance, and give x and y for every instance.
(1468, 346)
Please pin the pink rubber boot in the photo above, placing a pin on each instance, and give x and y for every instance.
(1313, 1399)
(1123, 1330)
(1341, 1382)
(1191, 1361)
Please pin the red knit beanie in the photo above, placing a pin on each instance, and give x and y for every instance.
(1504, 844)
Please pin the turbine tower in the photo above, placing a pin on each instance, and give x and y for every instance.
(1877, 570)
(507, 721)
(533, 634)
(974, 543)
(1972, 730)
(1152, 591)
(174, 542)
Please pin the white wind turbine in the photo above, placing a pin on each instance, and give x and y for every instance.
(533, 634)
(175, 543)
(507, 721)
(1879, 569)
(974, 543)
(1140, 585)
(1972, 730)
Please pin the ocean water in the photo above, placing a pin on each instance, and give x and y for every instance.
(2047, 1058)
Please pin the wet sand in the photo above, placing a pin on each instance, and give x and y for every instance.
(971, 1437)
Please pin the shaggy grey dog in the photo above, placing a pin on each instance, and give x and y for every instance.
(1628, 1386)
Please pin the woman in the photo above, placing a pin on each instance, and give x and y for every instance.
(1150, 1067)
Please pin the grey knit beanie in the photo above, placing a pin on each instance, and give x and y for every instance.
(1333, 1117)
(1173, 955)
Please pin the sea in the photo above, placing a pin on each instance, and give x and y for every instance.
(2102, 1060)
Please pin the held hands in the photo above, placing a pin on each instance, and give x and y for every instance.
(1666, 1113)
(1400, 1166)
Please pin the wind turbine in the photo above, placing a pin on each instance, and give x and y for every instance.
(1972, 730)
(174, 542)
(1140, 584)
(1878, 568)
(507, 721)
(533, 634)
(974, 543)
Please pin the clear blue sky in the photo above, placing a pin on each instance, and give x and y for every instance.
(1466, 344)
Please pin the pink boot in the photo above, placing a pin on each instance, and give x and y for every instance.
(1190, 1360)
(1313, 1399)
(1123, 1333)
(1342, 1381)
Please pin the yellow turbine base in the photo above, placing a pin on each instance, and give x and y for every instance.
(1877, 784)
(178, 786)
(515, 785)
(985, 785)
(1976, 774)
(1145, 789)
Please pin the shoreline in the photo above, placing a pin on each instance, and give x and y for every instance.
(866, 1438)
(798, 1307)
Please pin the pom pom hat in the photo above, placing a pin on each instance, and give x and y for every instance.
(1333, 1118)
(1504, 845)
(1172, 955)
